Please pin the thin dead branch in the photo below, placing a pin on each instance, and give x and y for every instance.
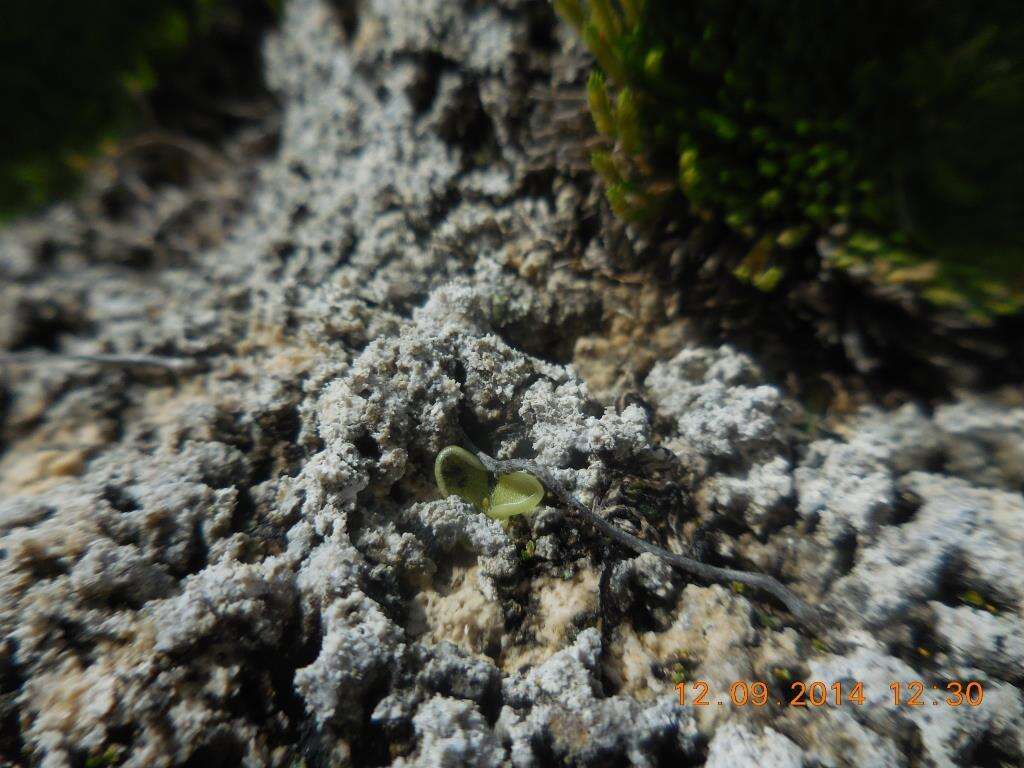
(807, 615)
(175, 364)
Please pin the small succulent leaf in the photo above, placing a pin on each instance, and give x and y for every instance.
(627, 121)
(604, 164)
(517, 493)
(458, 472)
(600, 104)
(606, 19)
(606, 57)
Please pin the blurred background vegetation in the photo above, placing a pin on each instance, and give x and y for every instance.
(76, 78)
(890, 129)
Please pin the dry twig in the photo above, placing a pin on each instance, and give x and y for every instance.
(175, 364)
(808, 616)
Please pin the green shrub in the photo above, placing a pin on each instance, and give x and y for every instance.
(890, 128)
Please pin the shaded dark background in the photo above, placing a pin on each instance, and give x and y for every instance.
(77, 78)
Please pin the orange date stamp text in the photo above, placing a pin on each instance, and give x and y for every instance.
(817, 693)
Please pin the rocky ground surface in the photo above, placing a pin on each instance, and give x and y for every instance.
(247, 562)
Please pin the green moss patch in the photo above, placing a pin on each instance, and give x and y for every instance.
(885, 131)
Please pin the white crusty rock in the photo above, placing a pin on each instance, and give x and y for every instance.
(851, 484)
(976, 638)
(962, 532)
(720, 407)
(452, 733)
(257, 598)
(358, 649)
(949, 735)
(762, 496)
(248, 563)
(984, 440)
(558, 705)
(738, 746)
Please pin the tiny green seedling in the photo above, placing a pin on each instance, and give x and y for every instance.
(460, 473)
(517, 490)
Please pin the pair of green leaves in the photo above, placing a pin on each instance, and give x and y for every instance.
(461, 473)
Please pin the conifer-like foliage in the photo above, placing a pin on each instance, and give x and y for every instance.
(887, 133)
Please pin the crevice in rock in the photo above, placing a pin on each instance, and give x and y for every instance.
(667, 754)
(906, 507)
(914, 641)
(960, 587)
(12, 748)
(45, 567)
(368, 447)
(198, 552)
(347, 13)
(780, 683)
(541, 26)
(222, 750)
(992, 752)
(244, 511)
(423, 90)
(370, 743)
(44, 325)
(76, 638)
(467, 125)
(845, 553)
(119, 499)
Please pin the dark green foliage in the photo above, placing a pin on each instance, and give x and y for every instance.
(73, 74)
(893, 128)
